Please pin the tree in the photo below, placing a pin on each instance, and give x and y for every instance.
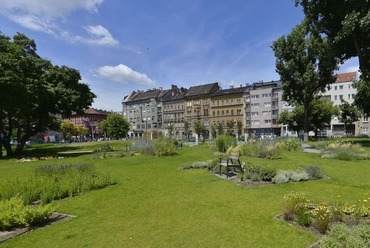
(115, 126)
(170, 130)
(187, 128)
(200, 129)
(68, 129)
(346, 26)
(43, 91)
(230, 126)
(239, 125)
(305, 65)
(82, 131)
(321, 113)
(213, 131)
(349, 114)
(220, 129)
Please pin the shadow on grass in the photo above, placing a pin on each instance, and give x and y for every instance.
(364, 142)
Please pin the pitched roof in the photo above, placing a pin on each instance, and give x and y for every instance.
(345, 77)
(231, 91)
(175, 94)
(202, 89)
(93, 111)
(145, 95)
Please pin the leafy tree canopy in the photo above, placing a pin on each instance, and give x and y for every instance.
(115, 126)
(345, 23)
(42, 91)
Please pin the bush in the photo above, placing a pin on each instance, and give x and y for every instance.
(282, 177)
(300, 175)
(291, 144)
(292, 200)
(314, 172)
(322, 217)
(267, 173)
(341, 236)
(13, 213)
(51, 182)
(223, 143)
(261, 149)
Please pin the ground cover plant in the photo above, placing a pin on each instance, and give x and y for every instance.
(54, 181)
(347, 150)
(155, 204)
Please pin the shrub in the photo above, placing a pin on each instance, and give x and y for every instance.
(223, 143)
(314, 172)
(165, 147)
(300, 175)
(292, 200)
(13, 213)
(322, 217)
(282, 177)
(342, 236)
(292, 144)
(303, 214)
(51, 182)
(262, 149)
(267, 173)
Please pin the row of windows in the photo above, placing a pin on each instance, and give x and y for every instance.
(226, 102)
(257, 122)
(341, 87)
(222, 112)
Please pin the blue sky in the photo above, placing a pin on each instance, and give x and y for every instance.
(124, 45)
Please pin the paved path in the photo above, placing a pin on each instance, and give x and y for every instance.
(310, 149)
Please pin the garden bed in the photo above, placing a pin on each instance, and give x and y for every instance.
(53, 219)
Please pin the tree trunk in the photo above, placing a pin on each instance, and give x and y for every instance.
(305, 123)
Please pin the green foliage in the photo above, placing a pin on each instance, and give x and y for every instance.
(314, 172)
(163, 146)
(115, 126)
(261, 149)
(51, 182)
(344, 150)
(341, 235)
(293, 201)
(13, 213)
(42, 91)
(223, 143)
(292, 144)
(267, 172)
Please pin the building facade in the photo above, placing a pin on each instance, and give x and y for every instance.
(263, 105)
(174, 110)
(228, 106)
(89, 119)
(197, 105)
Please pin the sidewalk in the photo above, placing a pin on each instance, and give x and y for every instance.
(310, 149)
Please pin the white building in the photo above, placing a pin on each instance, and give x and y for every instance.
(343, 89)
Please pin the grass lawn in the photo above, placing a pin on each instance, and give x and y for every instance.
(156, 205)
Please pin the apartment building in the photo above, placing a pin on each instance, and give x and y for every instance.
(262, 107)
(197, 102)
(143, 109)
(89, 119)
(343, 89)
(228, 105)
(174, 110)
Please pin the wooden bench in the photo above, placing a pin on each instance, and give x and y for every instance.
(233, 162)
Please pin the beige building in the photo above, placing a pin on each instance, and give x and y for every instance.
(174, 110)
(263, 105)
(227, 106)
(197, 102)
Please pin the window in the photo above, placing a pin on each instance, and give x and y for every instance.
(335, 97)
(353, 96)
(254, 113)
(366, 118)
(341, 87)
(335, 87)
(349, 96)
(266, 113)
(267, 104)
(365, 130)
(254, 96)
(340, 97)
(256, 122)
(227, 112)
(267, 121)
(255, 105)
(266, 95)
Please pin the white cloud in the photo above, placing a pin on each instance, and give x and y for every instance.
(49, 15)
(124, 74)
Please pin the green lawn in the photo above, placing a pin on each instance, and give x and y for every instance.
(156, 205)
